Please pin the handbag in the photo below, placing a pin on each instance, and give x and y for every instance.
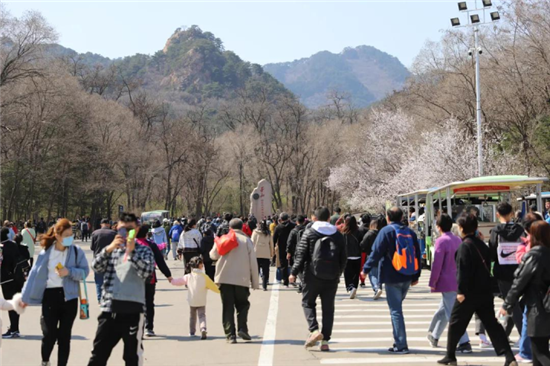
(84, 306)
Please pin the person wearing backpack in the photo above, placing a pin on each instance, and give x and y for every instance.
(29, 238)
(293, 240)
(352, 237)
(174, 235)
(321, 258)
(504, 242)
(280, 240)
(397, 253)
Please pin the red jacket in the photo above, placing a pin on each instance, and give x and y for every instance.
(246, 230)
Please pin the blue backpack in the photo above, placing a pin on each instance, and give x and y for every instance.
(404, 259)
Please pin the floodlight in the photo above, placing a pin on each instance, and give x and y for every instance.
(495, 16)
(487, 3)
(455, 22)
(474, 18)
(462, 6)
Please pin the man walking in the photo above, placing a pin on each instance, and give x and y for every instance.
(293, 240)
(126, 267)
(398, 270)
(321, 258)
(236, 272)
(101, 238)
(280, 240)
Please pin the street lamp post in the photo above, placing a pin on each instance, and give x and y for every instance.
(474, 22)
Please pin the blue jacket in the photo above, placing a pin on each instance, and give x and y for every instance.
(175, 233)
(33, 292)
(382, 252)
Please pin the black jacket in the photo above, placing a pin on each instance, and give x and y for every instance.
(101, 238)
(510, 233)
(280, 239)
(292, 242)
(207, 243)
(353, 243)
(532, 282)
(222, 229)
(368, 241)
(472, 274)
(304, 253)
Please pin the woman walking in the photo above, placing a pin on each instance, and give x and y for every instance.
(190, 242)
(29, 239)
(532, 281)
(475, 294)
(159, 236)
(443, 279)
(352, 238)
(263, 246)
(12, 276)
(54, 284)
(366, 247)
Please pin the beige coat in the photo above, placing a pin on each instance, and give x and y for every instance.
(263, 245)
(238, 267)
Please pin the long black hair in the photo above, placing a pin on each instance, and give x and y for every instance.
(264, 228)
(190, 224)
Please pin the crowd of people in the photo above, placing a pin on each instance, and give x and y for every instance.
(231, 255)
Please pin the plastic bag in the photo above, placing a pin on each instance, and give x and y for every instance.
(226, 243)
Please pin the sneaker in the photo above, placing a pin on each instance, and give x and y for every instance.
(191, 334)
(378, 293)
(45, 363)
(7, 334)
(520, 359)
(353, 293)
(485, 344)
(232, 339)
(203, 334)
(244, 336)
(464, 348)
(433, 342)
(15, 335)
(399, 351)
(324, 346)
(149, 333)
(447, 361)
(511, 363)
(265, 288)
(362, 285)
(313, 339)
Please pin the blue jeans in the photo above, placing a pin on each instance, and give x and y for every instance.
(98, 278)
(174, 249)
(395, 294)
(442, 316)
(374, 280)
(525, 341)
(278, 274)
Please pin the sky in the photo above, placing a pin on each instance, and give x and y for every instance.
(258, 31)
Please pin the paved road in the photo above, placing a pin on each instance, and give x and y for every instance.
(362, 332)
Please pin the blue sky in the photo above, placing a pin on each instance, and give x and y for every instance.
(259, 32)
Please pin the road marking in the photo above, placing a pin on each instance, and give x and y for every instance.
(388, 330)
(379, 339)
(409, 360)
(267, 350)
(407, 323)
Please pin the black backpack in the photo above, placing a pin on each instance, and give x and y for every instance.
(325, 261)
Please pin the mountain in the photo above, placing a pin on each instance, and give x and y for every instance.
(364, 72)
(193, 66)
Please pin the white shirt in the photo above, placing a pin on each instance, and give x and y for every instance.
(56, 256)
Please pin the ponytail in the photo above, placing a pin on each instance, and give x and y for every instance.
(49, 238)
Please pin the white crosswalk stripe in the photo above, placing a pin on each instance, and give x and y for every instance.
(362, 331)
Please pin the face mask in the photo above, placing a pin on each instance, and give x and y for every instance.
(67, 242)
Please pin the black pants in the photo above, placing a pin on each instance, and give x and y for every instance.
(351, 273)
(234, 298)
(284, 273)
(483, 306)
(111, 329)
(312, 288)
(57, 321)
(517, 314)
(85, 236)
(8, 290)
(263, 266)
(210, 270)
(541, 354)
(150, 306)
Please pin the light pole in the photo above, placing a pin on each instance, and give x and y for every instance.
(474, 21)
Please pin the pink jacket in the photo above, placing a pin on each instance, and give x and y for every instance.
(523, 248)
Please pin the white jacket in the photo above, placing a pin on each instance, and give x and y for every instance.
(190, 241)
(7, 305)
(196, 287)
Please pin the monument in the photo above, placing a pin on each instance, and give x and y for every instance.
(260, 200)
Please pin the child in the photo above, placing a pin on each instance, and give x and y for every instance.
(197, 283)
